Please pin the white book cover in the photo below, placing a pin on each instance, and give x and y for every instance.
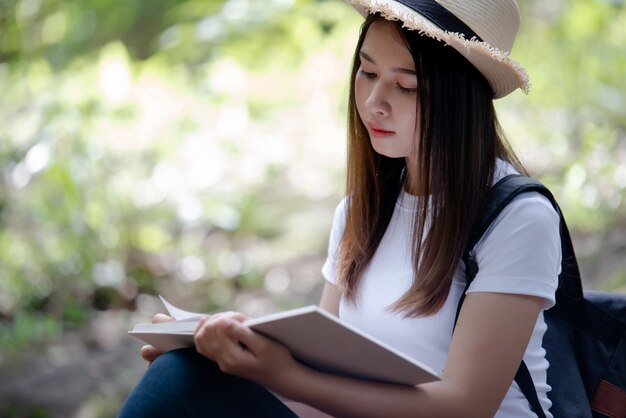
(313, 336)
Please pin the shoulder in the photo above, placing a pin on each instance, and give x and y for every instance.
(329, 269)
(529, 209)
(338, 225)
(529, 220)
(339, 217)
(521, 250)
(340, 209)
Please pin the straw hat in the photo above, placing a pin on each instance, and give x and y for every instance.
(482, 31)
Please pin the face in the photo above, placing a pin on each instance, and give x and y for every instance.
(386, 90)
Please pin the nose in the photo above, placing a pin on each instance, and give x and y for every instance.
(377, 102)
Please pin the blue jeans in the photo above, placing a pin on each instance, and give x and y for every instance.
(183, 383)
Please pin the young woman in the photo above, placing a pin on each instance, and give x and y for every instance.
(424, 149)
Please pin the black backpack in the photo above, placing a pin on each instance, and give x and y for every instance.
(585, 341)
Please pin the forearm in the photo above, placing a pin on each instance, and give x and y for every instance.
(480, 368)
(345, 397)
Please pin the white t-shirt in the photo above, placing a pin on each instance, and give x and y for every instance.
(519, 254)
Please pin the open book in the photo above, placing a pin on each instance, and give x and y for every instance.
(313, 336)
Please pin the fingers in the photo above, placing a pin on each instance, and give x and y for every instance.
(215, 339)
(222, 323)
(211, 329)
(240, 351)
(236, 316)
(149, 353)
(158, 318)
(243, 334)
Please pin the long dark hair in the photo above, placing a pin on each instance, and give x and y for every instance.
(458, 143)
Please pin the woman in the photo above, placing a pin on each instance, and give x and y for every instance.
(424, 149)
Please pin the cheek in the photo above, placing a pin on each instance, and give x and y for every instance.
(360, 95)
(409, 116)
(410, 129)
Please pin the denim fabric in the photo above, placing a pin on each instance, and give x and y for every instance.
(182, 383)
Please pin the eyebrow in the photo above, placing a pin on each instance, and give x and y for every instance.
(366, 57)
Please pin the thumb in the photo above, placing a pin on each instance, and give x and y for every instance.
(158, 318)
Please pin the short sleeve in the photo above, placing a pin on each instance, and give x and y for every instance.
(329, 269)
(521, 252)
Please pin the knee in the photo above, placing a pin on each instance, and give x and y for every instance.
(181, 358)
(172, 379)
(180, 368)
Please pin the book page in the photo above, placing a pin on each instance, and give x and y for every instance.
(180, 314)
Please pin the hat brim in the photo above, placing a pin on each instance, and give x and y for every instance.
(503, 73)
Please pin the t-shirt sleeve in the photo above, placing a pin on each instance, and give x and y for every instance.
(521, 251)
(329, 269)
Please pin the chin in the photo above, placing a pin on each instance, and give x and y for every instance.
(390, 153)
(390, 147)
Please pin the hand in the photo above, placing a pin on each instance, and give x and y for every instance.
(148, 352)
(240, 351)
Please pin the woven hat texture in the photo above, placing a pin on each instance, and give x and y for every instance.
(494, 22)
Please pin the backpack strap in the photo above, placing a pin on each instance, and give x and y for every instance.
(501, 194)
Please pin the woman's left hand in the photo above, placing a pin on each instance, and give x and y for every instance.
(240, 351)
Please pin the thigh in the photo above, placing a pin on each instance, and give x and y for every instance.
(182, 383)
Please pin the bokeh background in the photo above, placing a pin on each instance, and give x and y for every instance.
(196, 149)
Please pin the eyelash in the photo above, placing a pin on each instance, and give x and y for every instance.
(402, 90)
(367, 75)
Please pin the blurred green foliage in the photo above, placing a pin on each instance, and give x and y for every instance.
(196, 147)
(151, 149)
(572, 126)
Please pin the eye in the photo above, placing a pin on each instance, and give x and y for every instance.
(367, 74)
(405, 90)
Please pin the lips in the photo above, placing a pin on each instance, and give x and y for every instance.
(378, 131)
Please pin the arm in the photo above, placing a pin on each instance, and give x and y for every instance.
(481, 365)
(488, 344)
